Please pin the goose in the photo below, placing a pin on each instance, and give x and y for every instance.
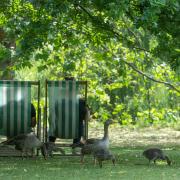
(93, 145)
(154, 154)
(27, 143)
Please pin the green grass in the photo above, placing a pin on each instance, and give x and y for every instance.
(130, 165)
(127, 144)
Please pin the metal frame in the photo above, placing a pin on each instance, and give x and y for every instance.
(45, 130)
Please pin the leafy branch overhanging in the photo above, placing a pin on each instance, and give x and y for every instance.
(117, 35)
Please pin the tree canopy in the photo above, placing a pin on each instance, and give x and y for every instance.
(121, 47)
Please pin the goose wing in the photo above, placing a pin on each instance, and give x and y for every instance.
(14, 140)
(92, 141)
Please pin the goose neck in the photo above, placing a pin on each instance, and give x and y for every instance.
(106, 134)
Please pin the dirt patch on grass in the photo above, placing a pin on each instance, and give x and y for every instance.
(133, 137)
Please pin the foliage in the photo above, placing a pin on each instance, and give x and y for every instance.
(103, 42)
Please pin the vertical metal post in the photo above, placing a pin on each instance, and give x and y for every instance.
(38, 114)
(45, 123)
(86, 120)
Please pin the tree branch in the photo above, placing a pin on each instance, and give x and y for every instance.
(103, 25)
(140, 48)
(144, 74)
(150, 77)
(106, 26)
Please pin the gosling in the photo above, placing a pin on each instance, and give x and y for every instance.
(154, 154)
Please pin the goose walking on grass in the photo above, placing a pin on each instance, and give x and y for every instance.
(154, 154)
(103, 155)
(27, 143)
(93, 145)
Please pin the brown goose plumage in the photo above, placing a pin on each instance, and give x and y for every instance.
(154, 154)
(27, 143)
(93, 145)
(103, 155)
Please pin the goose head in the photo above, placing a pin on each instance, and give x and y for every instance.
(108, 122)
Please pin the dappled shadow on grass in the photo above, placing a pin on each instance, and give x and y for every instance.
(130, 164)
(55, 168)
(128, 146)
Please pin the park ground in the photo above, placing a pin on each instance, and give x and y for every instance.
(127, 144)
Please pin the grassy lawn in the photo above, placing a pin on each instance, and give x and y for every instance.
(129, 165)
(127, 145)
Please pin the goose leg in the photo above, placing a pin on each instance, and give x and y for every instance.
(95, 161)
(82, 158)
(168, 160)
(100, 164)
(113, 161)
(22, 153)
(154, 159)
(156, 156)
(32, 153)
